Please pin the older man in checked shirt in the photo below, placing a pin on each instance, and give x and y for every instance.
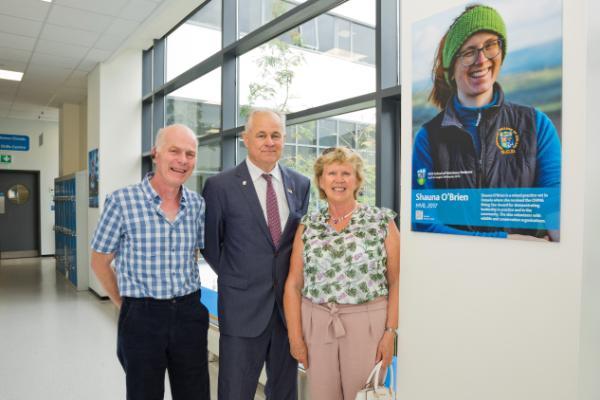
(153, 230)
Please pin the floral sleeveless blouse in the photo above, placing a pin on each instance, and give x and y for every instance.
(346, 267)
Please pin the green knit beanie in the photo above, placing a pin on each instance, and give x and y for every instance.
(478, 18)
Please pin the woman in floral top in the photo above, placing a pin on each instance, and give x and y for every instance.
(341, 294)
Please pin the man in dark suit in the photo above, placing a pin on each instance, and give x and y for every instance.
(252, 212)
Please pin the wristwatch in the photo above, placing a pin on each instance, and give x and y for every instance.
(391, 330)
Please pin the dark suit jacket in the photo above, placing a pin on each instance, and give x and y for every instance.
(238, 247)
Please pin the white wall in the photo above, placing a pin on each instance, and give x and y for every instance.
(83, 135)
(589, 384)
(43, 159)
(71, 136)
(114, 127)
(496, 319)
(120, 135)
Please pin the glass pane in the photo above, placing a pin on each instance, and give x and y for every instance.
(368, 192)
(147, 71)
(342, 36)
(290, 134)
(146, 127)
(195, 40)
(196, 181)
(241, 151)
(288, 75)
(327, 133)
(363, 38)
(347, 134)
(289, 155)
(305, 159)
(209, 157)
(362, 130)
(308, 34)
(306, 133)
(18, 194)
(359, 126)
(252, 14)
(208, 163)
(197, 104)
(326, 32)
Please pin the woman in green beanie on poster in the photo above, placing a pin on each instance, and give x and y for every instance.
(479, 140)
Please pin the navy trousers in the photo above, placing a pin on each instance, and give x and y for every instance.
(241, 360)
(155, 336)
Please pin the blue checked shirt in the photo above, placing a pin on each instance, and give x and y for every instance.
(153, 257)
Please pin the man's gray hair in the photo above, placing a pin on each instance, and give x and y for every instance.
(161, 134)
(255, 111)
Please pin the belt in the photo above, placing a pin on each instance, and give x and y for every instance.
(174, 300)
(335, 324)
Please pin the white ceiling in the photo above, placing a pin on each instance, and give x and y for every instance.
(56, 45)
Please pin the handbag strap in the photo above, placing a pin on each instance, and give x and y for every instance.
(374, 375)
(373, 378)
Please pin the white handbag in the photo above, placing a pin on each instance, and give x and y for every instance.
(372, 390)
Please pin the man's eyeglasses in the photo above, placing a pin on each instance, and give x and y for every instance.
(490, 50)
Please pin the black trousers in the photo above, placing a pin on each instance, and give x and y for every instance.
(155, 336)
(241, 360)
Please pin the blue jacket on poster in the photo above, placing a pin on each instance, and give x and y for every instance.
(499, 145)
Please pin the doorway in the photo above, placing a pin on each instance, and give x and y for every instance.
(19, 214)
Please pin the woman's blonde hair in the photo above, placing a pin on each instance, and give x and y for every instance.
(339, 155)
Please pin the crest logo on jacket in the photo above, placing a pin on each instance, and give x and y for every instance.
(507, 140)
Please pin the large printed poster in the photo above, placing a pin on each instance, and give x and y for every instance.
(487, 106)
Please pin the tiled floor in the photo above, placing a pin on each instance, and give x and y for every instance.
(55, 342)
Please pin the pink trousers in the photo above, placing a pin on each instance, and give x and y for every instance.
(342, 342)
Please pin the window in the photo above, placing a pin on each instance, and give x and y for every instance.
(305, 133)
(195, 40)
(208, 163)
(197, 105)
(363, 38)
(252, 14)
(328, 133)
(326, 32)
(354, 130)
(342, 38)
(318, 72)
(360, 125)
(308, 35)
(282, 74)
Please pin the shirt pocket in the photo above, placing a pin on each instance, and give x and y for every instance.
(143, 240)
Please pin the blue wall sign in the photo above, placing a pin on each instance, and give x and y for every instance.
(14, 142)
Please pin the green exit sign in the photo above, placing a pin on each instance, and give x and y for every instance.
(5, 159)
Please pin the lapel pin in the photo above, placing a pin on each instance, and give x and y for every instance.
(290, 191)
(244, 183)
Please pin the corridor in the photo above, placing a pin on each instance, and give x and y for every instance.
(55, 342)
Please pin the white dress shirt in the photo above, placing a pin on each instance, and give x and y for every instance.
(260, 185)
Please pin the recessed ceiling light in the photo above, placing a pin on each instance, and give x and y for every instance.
(47, 1)
(10, 75)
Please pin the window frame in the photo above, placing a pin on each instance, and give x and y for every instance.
(385, 98)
